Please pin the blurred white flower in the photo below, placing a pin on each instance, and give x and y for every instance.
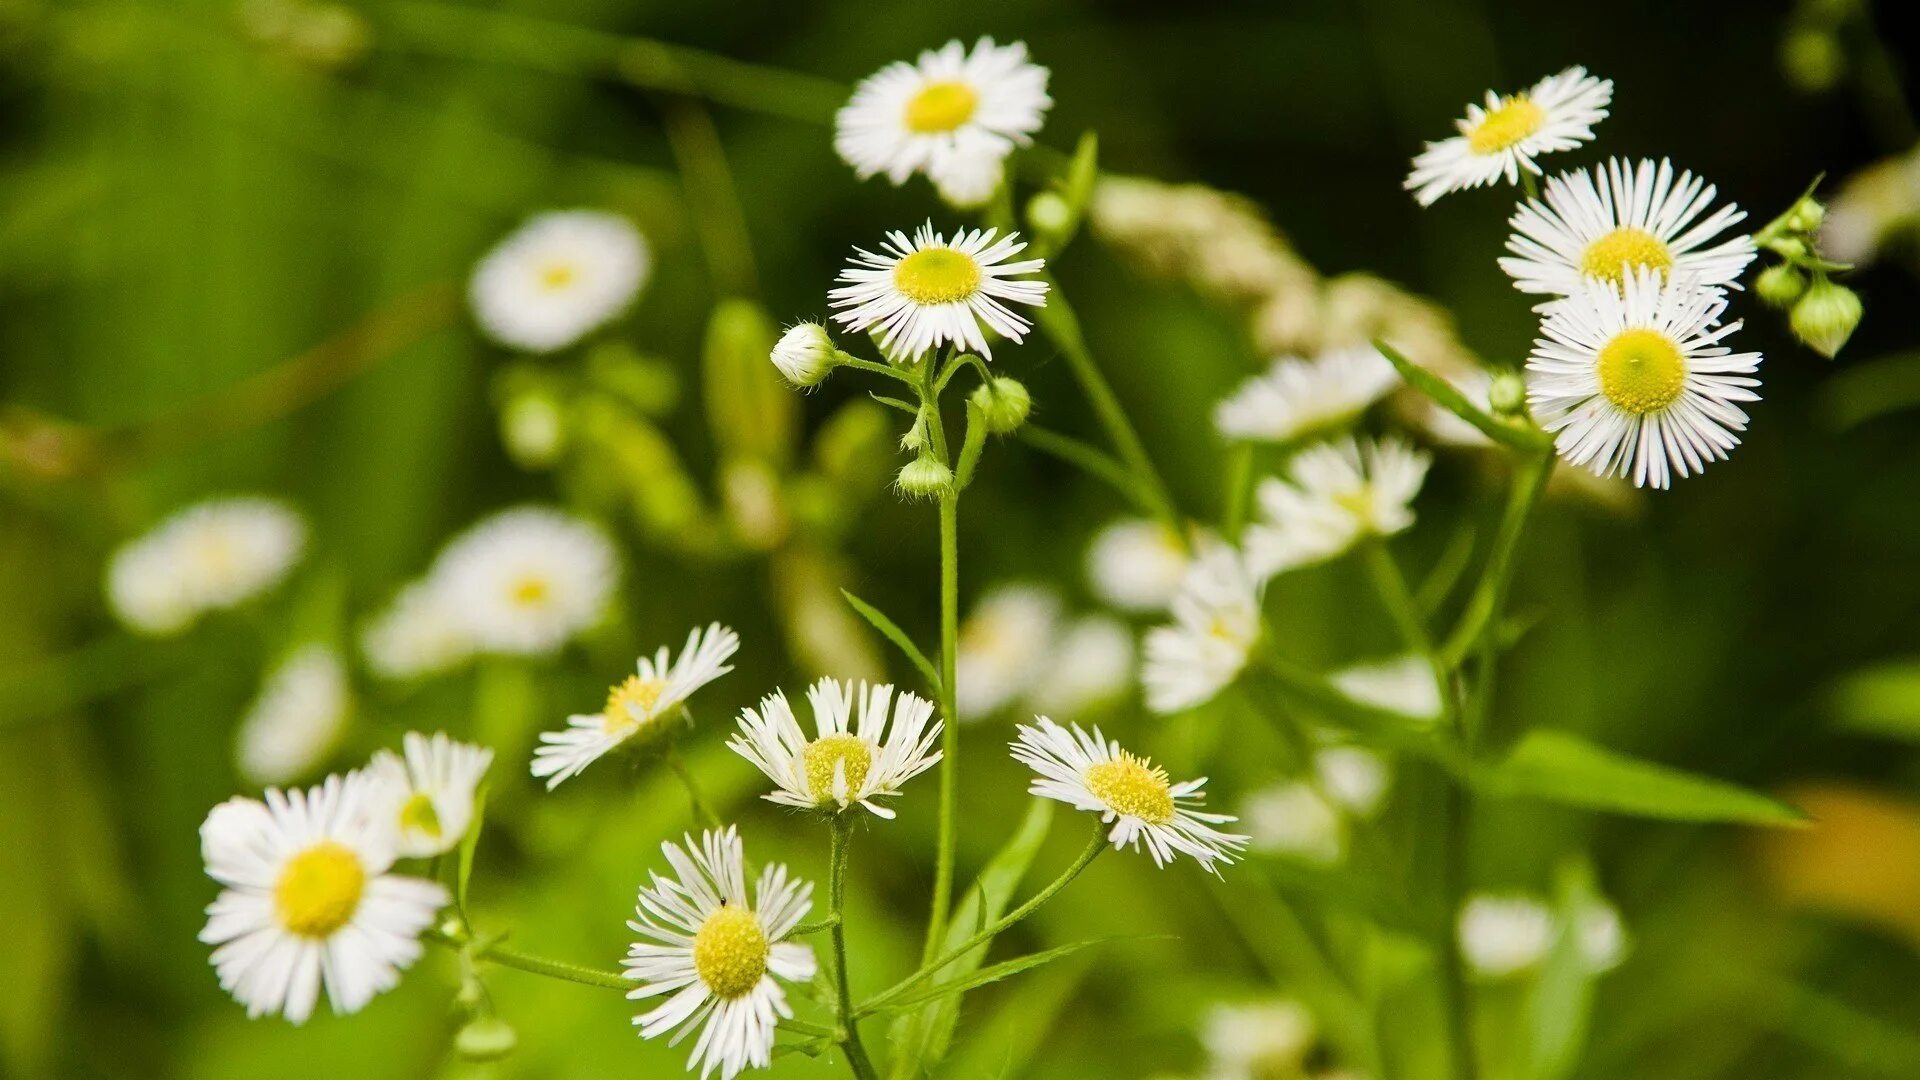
(428, 795)
(1296, 398)
(297, 719)
(1257, 1040)
(1136, 564)
(1404, 684)
(1871, 207)
(1295, 818)
(558, 277)
(1504, 935)
(1600, 935)
(1498, 140)
(1216, 625)
(210, 556)
(1090, 666)
(1334, 495)
(1353, 777)
(849, 761)
(419, 634)
(1004, 647)
(526, 580)
(924, 292)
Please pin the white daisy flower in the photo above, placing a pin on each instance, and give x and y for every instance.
(1295, 818)
(208, 557)
(1353, 777)
(1501, 138)
(1335, 494)
(1091, 666)
(1405, 684)
(1091, 773)
(418, 635)
(427, 796)
(636, 707)
(558, 277)
(308, 900)
(716, 954)
(1258, 1039)
(1600, 936)
(1136, 564)
(1298, 397)
(297, 719)
(1610, 224)
(1003, 647)
(925, 292)
(951, 115)
(1504, 935)
(526, 580)
(849, 760)
(1636, 384)
(1216, 624)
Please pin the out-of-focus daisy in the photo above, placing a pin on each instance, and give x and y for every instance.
(208, 557)
(1504, 136)
(1216, 625)
(1504, 935)
(526, 580)
(718, 955)
(1335, 494)
(417, 635)
(1090, 666)
(849, 760)
(1405, 684)
(308, 900)
(1636, 384)
(558, 277)
(1091, 773)
(636, 706)
(952, 114)
(1600, 935)
(1003, 647)
(1353, 777)
(1296, 819)
(1609, 224)
(297, 719)
(925, 292)
(1296, 397)
(427, 796)
(1257, 1040)
(1878, 204)
(1136, 564)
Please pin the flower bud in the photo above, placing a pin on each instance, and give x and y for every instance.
(915, 440)
(1789, 247)
(1507, 395)
(924, 478)
(805, 354)
(1806, 215)
(1003, 404)
(1049, 214)
(1780, 284)
(485, 1038)
(1813, 60)
(534, 430)
(1825, 317)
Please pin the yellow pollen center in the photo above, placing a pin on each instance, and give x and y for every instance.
(1642, 371)
(557, 275)
(418, 815)
(529, 591)
(821, 757)
(1130, 785)
(941, 107)
(1618, 254)
(937, 275)
(634, 696)
(1515, 119)
(730, 952)
(319, 890)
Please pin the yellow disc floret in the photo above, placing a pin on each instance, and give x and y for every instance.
(823, 756)
(1132, 785)
(631, 703)
(530, 590)
(1618, 254)
(941, 107)
(937, 275)
(557, 275)
(1642, 371)
(319, 890)
(1515, 119)
(730, 952)
(419, 815)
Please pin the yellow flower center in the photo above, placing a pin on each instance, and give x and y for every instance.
(1642, 371)
(418, 815)
(730, 952)
(1359, 503)
(631, 703)
(1515, 119)
(937, 276)
(1618, 254)
(1130, 785)
(941, 107)
(822, 756)
(558, 275)
(319, 890)
(529, 591)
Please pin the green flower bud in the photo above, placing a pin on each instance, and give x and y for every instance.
(924, 478)
(533, 428)
(1788, 247)
(1508, 393)
(1825, 317)
(1806, 215)
(1780, 284)
(1813, 60)
(485, 1038)
(1048, 214)
(805, 354)
(1003, 404)
(915, 440)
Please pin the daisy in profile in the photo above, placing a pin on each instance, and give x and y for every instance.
(1609, 224)
(925, 292)
(1003, 647)
(1504, 935)
(1216, 623)
(526, 580)
(716, 954)
(297, 719)
(427, 796)
(1296, 398)
(308, 900)
(1635, 383)
(557, 278)
(952, 114)
(1092, 667)
(1091, 773)
(1136, 564)
(1504, 136)
(1334, 495)
(208, 557)
(416, 636)
(849, 760)
(636, 707)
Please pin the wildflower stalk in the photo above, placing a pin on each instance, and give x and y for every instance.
(477, 952)
(1482, 609)
(949, 512)
(1396, 597)
(701, 811)
(848, 1033)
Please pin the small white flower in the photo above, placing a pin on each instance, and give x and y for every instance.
(1354, 777)
(968, 183)
(1090, 666)
(208, 557)
(1296, 397)
(1088, 772)
(418, 635)
(308, 900)
(1216, 624)
(849, 760)
(1335, 495)
(1136, 564)
(1258, 1039)
(1295, 818)
(1504, 935)
(1003, 647)
(952, 115)
(636, 707)
(1404, 684)
(805, 354)
(1498, 140)
(1636, 384)
(558, 277)
(427, 796)
(1611, 224)
(926, 291)
(526, 580)
(718, 956)
(297, 719)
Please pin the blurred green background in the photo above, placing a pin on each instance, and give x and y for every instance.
(188, 199)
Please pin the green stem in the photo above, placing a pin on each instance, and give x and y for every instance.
(849, 1033)
(948, 839)
(1396, 597)
(812, 1031)
(1529, 478)
(845, 359)
(540, 965)
(701, 811)
(1239, 494)
(707, 184)
(1529, 184)
(1453, 886)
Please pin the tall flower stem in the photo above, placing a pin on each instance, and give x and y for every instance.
(849, 1027)
(948, 839)
(533, 965)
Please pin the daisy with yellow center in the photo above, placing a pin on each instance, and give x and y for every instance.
(1144, 805)
(636, 706)
(1499, 139)
(1004, 646)
(1216, 623)
(1611, 223)
(1635, 383)
(867, 743)
(1136, 564)
(428, 795)
(210, 556)
(526, 581)
(557, 278)
(717, 955)
(1334, 495)
(925, 292)
(308, 900)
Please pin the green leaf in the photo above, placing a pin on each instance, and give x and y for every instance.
(752, 411)
(1880, 700)
(896, 635)
(1090, 460)
(970, 448)
(995, 972)
(1564, 768)
(1444, 395)
(463, 871)
(1561, 1003)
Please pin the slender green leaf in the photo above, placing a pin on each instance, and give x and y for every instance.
(1090, 460)
(1565, 768)
(1880, 700)
(1447, 397)
(995, 972)
(896, 635)
(463, 870)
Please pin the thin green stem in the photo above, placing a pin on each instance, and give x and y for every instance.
(949, 708)
(701, 811)
(1239, 493)
(540, 965)
(812, 1031)
(1395, 596)
(1530, 478)
(707, 184)
(849, 1033)
(845, 359)
(1530, 184)
(1453, 974)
